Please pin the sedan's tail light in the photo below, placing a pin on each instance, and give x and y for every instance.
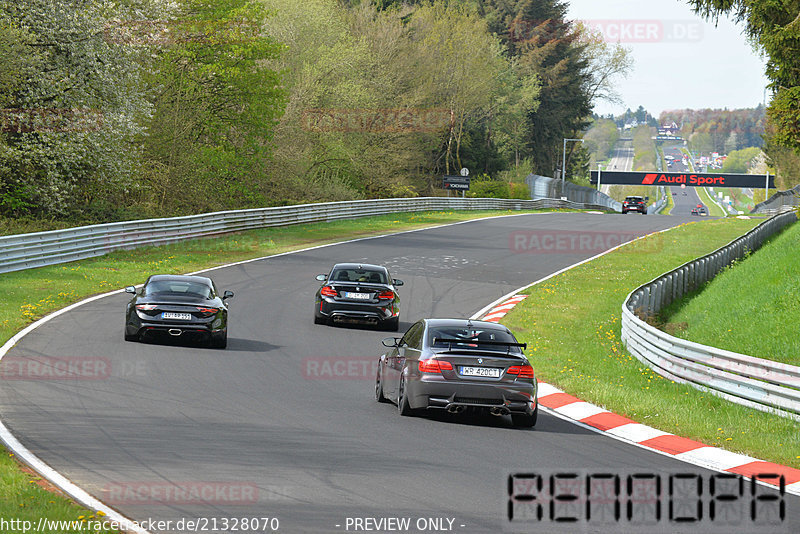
(328, 291)
(207, 312)
(522, 371)
(434, 366)
(145, 307)
(386, 295)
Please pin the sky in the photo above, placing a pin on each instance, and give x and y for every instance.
(680, 60)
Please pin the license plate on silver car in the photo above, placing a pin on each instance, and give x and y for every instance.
(172, 315)
(487, 372)
(359, 296)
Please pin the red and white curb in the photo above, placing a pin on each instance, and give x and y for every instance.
(498, 312)
(624, 429)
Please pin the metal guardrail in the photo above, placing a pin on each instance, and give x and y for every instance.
(659, 205)
(758, 383)
(782, 200)
(544, 187)
(26, 251)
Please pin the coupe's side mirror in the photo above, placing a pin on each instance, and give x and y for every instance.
(322, 277)
(226, 295)
(391, 341)
(397, 282)
(130, 289)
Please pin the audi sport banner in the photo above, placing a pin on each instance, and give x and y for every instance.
(687, 179)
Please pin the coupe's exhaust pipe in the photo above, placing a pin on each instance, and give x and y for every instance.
(174, 331)
(455, 408)
(498, 411)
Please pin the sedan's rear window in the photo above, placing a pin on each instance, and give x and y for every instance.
(471, 338)
(193, 289)
(365, 276)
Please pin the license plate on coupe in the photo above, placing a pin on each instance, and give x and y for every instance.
(173, 315)
(358, 296)
(486, 372)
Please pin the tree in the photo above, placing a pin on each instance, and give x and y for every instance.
(740, 161)
(775, 27)
(216, 104)
(551, 47)
(607, 63)
(82, 103)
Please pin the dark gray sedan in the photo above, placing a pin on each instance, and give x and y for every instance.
(455, 365)
(358, 293)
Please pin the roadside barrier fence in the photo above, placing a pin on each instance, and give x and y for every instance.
(754, 382)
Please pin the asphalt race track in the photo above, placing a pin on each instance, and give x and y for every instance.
(271, 428)
(685, 199)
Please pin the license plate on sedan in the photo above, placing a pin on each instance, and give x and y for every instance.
(172, 315)
(488, 372)
(358, 296)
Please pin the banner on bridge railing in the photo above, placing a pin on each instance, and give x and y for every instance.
(696, 179)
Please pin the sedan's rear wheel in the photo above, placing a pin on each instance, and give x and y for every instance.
(403, 407)
(392, 325)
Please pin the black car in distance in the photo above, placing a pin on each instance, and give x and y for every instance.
(457, 365)
(179, 306)
(358, 293)
(635, 204)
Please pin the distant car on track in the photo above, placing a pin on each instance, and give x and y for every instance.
(635, 204)
(457, 365)
(358, 293)
(179, 306)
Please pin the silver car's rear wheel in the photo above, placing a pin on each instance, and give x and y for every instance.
(403, 408)
(379, 388)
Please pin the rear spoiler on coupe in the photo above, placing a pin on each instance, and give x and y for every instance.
(475, 342)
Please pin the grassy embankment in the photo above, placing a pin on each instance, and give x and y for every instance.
(28, 295)
(572, 326)
(751, 308)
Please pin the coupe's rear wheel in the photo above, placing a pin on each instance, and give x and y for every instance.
(379, 388)
(220, 342)
(523, 420)
(131, 337)
(320, 320)
(403, 407)
(392, 325)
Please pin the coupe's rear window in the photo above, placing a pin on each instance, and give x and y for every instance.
(634, 199)
(366, 276)
(193, 289)
(471, 338)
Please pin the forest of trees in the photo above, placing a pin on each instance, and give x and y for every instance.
(114, 110)
(720, 130)
(772, 27)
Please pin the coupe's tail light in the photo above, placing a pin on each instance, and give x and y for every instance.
(145, 307)
(386, 295)
(328, 291)
(434, 366)
(521, 371)
(207, 312)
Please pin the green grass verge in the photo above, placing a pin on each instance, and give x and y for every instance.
(572, 326)
(24, 496)
(28, 295)
(713, 208)
(771, 304)
(667, 209)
